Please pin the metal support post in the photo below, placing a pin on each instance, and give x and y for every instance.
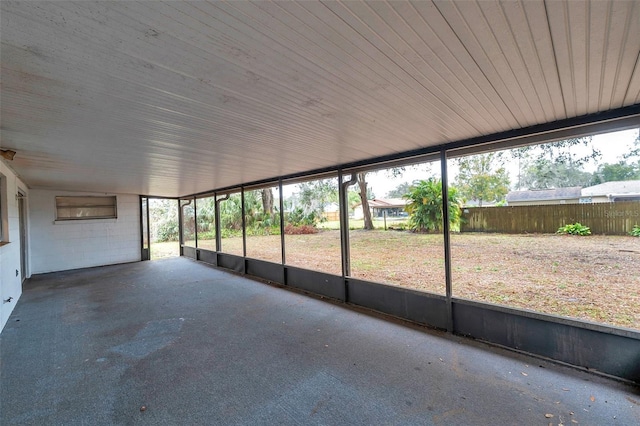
(447, 241)
(344, 222)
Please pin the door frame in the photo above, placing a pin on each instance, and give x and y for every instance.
(22, 230)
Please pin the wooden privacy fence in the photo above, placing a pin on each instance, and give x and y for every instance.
(331, 216)
(603, 218)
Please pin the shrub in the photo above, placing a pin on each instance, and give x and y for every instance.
(398, 227)
(230, 233)
(299, 218)
(207, 235)
(167, 230)
(299, 230)
(575, 229)
(635, 232)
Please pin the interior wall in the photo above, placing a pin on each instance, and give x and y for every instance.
(10, 279)
(63, 245)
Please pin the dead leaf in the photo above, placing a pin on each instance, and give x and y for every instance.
(574, 421)
(548, 416)
(592, 398)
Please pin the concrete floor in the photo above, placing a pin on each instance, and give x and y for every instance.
(195, 345)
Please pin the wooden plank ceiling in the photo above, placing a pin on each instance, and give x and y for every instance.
(174, 98)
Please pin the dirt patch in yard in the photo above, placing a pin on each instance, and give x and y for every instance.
(595, 278)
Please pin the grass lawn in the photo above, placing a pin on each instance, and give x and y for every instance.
(595, 278)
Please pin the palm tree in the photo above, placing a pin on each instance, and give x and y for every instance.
(425, 206)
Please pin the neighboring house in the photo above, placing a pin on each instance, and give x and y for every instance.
(393, 207)
(626, 190)
(476, 203)
(570, 195)
(608, 192)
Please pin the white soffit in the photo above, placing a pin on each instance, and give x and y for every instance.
(174, 98)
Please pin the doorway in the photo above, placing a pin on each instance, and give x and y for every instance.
(22, 224)
(164, 228)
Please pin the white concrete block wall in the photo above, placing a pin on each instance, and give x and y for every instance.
(10, 283)
(63, 245)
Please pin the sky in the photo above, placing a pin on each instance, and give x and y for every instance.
(612, 146)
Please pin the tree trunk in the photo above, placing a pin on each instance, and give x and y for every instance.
(267, 201)
(366, 212)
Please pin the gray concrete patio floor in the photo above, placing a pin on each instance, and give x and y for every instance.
(196, 345)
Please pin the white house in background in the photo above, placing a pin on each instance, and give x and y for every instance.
(569, 195)
(393, 207)
(625, 190)
(608, 192)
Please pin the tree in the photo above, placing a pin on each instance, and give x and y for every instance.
(480, 179)
(399, 191)
(547, 174)
(253, 206)
(206, 216)
(267, 201)
(523, 157)
(315, 196)
(635, 149)
(353, 200)
(366, 211)
(163, 215)
(231, 213)
(425, 206)
(614, 172)
(564, 151)
(261, 216)
(366, 193)
(567, 155)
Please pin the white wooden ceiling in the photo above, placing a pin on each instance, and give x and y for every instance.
(174, 98)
